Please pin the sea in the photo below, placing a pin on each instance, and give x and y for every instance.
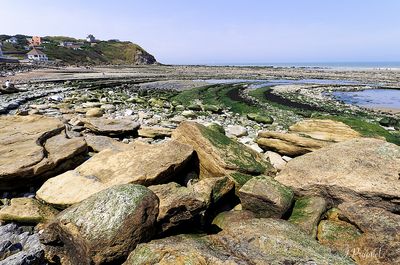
(332, 65)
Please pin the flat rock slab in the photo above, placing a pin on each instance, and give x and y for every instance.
(154, 132)
(31, 146)
(99, 143)
(111, 126)
(363, 168)
(252, 241)
(326, 130)
(142, 164)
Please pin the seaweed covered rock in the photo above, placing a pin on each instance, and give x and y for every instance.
(142, 164)
(307, 213)
(252, 241)
(265, 197)
(360, 169)
(33, 147)
(103, 228)
(221, 156)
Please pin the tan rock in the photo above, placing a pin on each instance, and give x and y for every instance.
(27, 210)
(31, 146)
(99, 143)
(227, 219)
(360, 169)
(111, 126)
(326, 130)
(219, 155)
(288, 143)
(142, 164)
(275, 159)
(94, 112)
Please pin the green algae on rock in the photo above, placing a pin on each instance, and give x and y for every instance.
(103, 228)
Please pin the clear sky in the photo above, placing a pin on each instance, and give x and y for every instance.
(222, 31)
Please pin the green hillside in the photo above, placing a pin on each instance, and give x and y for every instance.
(101, 52)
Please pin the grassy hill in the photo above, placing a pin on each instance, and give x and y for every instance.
(102, 52)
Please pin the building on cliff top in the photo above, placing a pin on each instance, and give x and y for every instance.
(90, 38)
(34, 41)
(37, 56)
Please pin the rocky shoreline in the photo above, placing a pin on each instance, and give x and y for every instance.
(143, 165)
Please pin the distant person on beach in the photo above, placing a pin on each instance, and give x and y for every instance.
(8, 84)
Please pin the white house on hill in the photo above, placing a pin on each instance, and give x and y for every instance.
(90, 38)
(37, 55)
(12, 40)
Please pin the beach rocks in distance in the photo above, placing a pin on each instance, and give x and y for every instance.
(18, 247)
(260, 118)
(251, 241)
(104, 228)
(360, 169)
(265, 197)
(112, 127)
(306, 136)
(154, 132)
(236, 131)
(142, 164)
(27, 210)
(307, 213)
(33, 147)
(221, 156)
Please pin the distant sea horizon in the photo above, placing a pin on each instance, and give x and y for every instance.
(349, 65)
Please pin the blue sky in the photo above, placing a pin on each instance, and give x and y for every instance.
(223, 31)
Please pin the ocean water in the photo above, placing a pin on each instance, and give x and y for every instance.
(371, 98)
(332, 65)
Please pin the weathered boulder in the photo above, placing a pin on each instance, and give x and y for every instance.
(111, 126)
(307, 213)
(104, 228)
(326, 130)
(27, 210)
(288, 143)
(142, 164)
(265, 197)
(154, 132)
(360, 169)
(221, 156)
(252, 241)
(99, 143)
(180, 205)
(32, 147)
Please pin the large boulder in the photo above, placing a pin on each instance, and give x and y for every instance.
(27, 210)
(306, 136)
(221, 156)
(252, 241)
(360, 169)
(265, 197)
(33, 147)
(111, 126)
(103, 228)
(142, 164)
